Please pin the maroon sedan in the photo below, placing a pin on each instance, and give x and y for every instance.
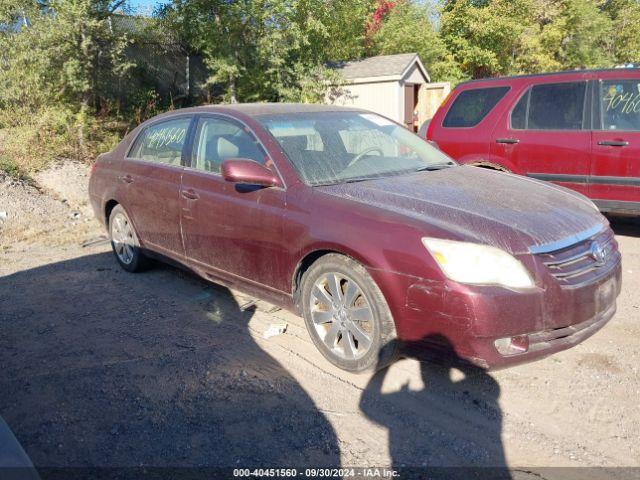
(363, 228)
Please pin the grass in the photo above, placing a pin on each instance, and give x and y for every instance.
(29, 146)
(9, 167)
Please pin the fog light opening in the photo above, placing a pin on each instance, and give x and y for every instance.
(512, 345)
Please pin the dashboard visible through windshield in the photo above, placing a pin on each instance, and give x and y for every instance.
(338, 147)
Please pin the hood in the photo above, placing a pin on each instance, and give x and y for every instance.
(478, 205)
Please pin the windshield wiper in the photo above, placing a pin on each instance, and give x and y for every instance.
(360, 179)
(436, 166)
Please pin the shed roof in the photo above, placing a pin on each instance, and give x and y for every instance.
(380, 68)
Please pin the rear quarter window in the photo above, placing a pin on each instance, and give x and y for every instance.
(619, 105)
(472, 106)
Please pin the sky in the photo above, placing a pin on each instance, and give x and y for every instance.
(145, 7)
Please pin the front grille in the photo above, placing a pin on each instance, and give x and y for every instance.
(576, 264)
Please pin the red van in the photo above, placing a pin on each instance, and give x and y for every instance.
(580, 129)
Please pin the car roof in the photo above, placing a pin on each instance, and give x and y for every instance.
(549, 74)
(257, 109)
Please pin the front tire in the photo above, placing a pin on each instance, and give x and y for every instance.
(124, 241)
(347, 316)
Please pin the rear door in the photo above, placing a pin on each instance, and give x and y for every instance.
(546, 134)
(615, 169)
(152, 178)
(226, 227)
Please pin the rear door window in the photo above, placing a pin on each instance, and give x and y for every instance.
(557, 106)
(162, 142)
(619, 105)
(472, 106)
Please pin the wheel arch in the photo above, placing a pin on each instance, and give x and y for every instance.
(309, 258)
(489, 166)
(489, 161)
(108, 208)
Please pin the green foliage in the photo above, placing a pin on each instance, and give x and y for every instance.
(409, 28)
(68, 55)
(625, 15)
(56, 73)
(65, 80)
(486, 38)
(31, 142)
(10, 167)
(257, 50)
(502, 37)
(578, 36)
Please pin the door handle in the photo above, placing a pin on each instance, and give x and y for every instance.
(508, 141)
(613, 143)
(190, 194)
(127, 178)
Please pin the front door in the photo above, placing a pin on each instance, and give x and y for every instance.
(153, 176)
(229, 228)
(546, 135)
(615, 169)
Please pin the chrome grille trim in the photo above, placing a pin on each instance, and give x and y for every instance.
(574, 265)
(567, 241)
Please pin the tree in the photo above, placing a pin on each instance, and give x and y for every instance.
(256, 49)
(579, 36)
(484, 37)
(64, 54)
(57, 68)
(625, 15)
(502, 37)
(408, 27)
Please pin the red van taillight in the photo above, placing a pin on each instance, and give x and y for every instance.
(430, 129)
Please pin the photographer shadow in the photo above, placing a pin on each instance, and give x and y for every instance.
(451, 428)
(160, 370)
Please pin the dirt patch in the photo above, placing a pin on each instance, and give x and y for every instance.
(66, 181)
(52, 209)
(163, 368)
(599, 361)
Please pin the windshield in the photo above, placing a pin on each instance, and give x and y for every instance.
(337, 147)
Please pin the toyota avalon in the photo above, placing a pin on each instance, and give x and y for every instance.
(370, 233)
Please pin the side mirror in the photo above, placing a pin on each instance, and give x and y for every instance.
(248, 172)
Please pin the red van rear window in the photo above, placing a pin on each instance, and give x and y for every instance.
(471, 106)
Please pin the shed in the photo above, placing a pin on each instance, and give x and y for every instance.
(391, 85)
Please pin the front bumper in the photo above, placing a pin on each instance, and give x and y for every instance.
(471, 318)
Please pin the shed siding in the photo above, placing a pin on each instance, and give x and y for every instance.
(384, 98)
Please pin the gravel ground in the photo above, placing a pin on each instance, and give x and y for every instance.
(105, 368)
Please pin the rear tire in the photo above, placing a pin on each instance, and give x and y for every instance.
(124, 242)
(347, 316)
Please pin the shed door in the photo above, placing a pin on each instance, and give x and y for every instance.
(408, 105)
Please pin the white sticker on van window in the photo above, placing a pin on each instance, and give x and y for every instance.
(380, 121)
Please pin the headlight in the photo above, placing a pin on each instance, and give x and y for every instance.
(478, 264)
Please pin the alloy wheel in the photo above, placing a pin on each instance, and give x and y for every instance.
(342, 316)
(123, 238)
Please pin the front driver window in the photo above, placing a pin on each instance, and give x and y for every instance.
(218, 140)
